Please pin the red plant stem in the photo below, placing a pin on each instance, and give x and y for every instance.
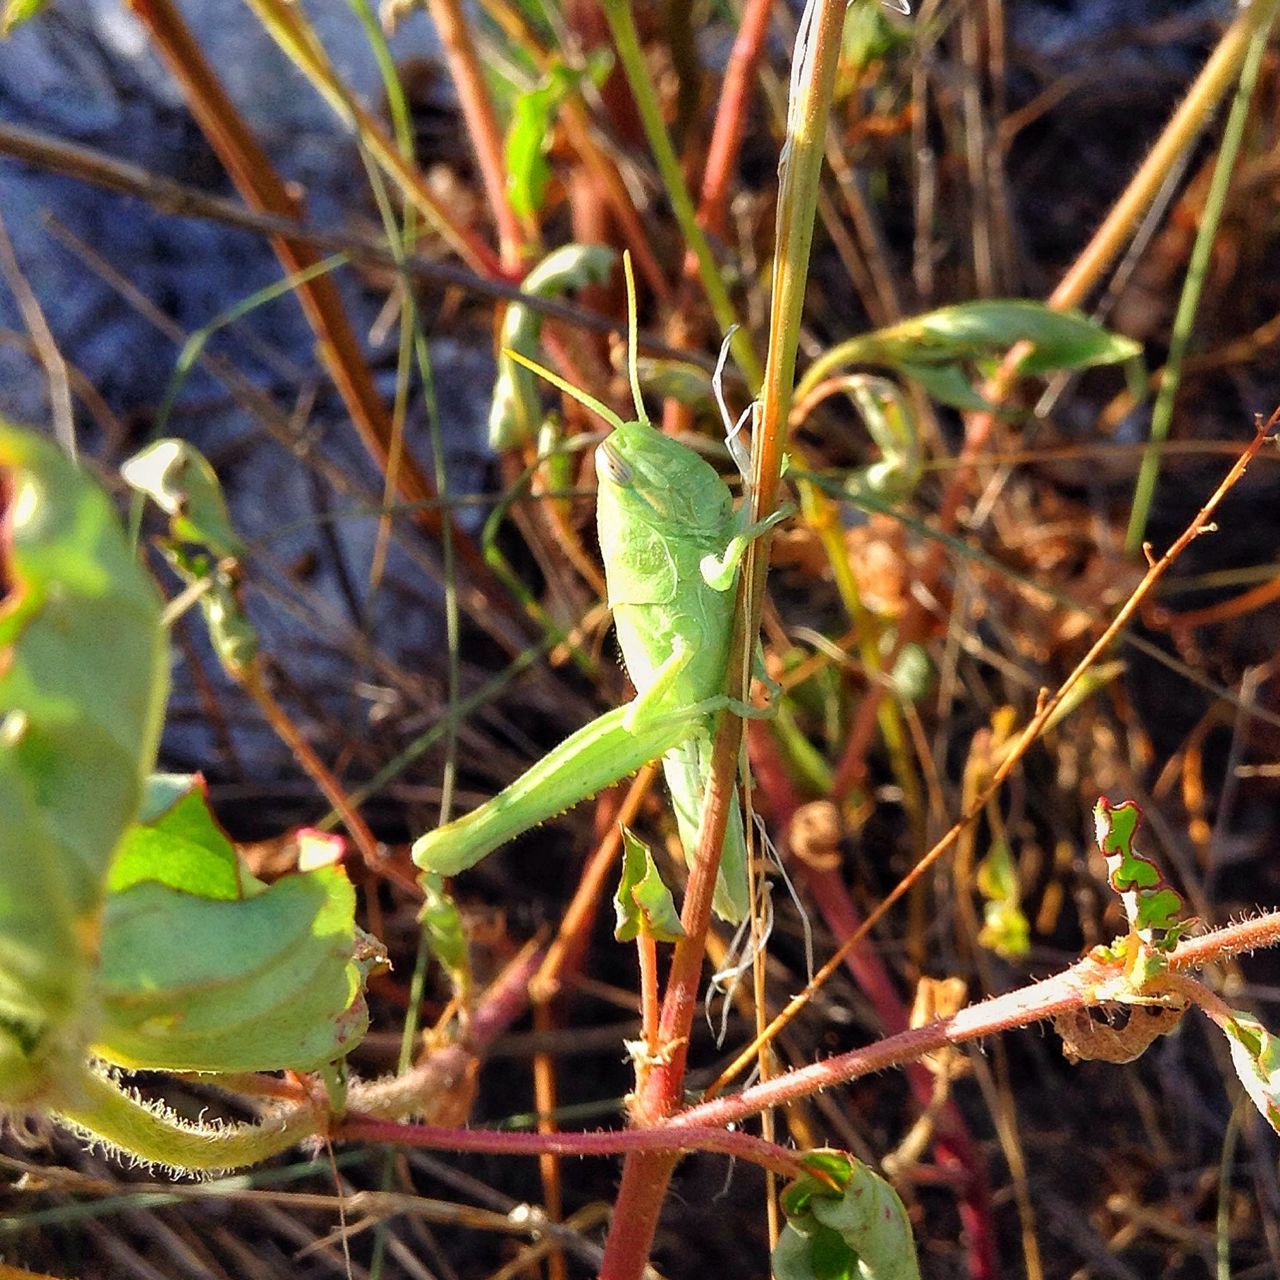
(646, 1177)
(699, 1128)
(482, 124)
(1045, 708)
(544, 1099)
(648, 955)
(953, 1144)
(586, 22)
(795, 234)
(1233, 940)
(731, 122)
(666, 1141)
(565, 952)
(1072, 989)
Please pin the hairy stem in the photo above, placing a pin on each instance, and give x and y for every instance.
(103, 1110)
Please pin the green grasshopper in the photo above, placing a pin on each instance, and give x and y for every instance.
(672, 546)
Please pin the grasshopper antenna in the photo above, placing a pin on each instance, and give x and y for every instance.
(632, 370)
(583, 398)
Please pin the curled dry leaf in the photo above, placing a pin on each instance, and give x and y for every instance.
(1115, 1031)
(815, 833)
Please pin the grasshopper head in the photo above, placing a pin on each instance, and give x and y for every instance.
(647, 476)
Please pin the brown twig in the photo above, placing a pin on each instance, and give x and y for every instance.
(88, 165)
(46, 347)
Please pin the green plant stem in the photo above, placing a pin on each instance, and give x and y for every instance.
(1193, 287)
(1226, 1168)
(1204, 95)
(106, 1112)
(625, 37)
(646, 1176)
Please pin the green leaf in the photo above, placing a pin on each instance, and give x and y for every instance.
(206, 969)
(643, 904)
(868, 36)
(83, 677)
(177, 841)
(514, 415)
(948, 384)
(16, 12)
(843, 1220)
(179, 479)
(202, 546)
(1005, 929)
(972, 330)
(891, 423)
(529, 139)
(913, 673)
(256, 984)
(936, 347)
(1255, 1054)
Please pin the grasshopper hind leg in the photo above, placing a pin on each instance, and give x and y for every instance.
(686, 769)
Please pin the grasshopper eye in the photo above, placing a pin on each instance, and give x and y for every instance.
(612, 464)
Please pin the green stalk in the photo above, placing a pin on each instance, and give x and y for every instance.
(1193, 287)
(627, 42)
(645, 1177)
(149, 1131)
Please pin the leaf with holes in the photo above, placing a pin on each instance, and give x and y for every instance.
(1152, 905)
